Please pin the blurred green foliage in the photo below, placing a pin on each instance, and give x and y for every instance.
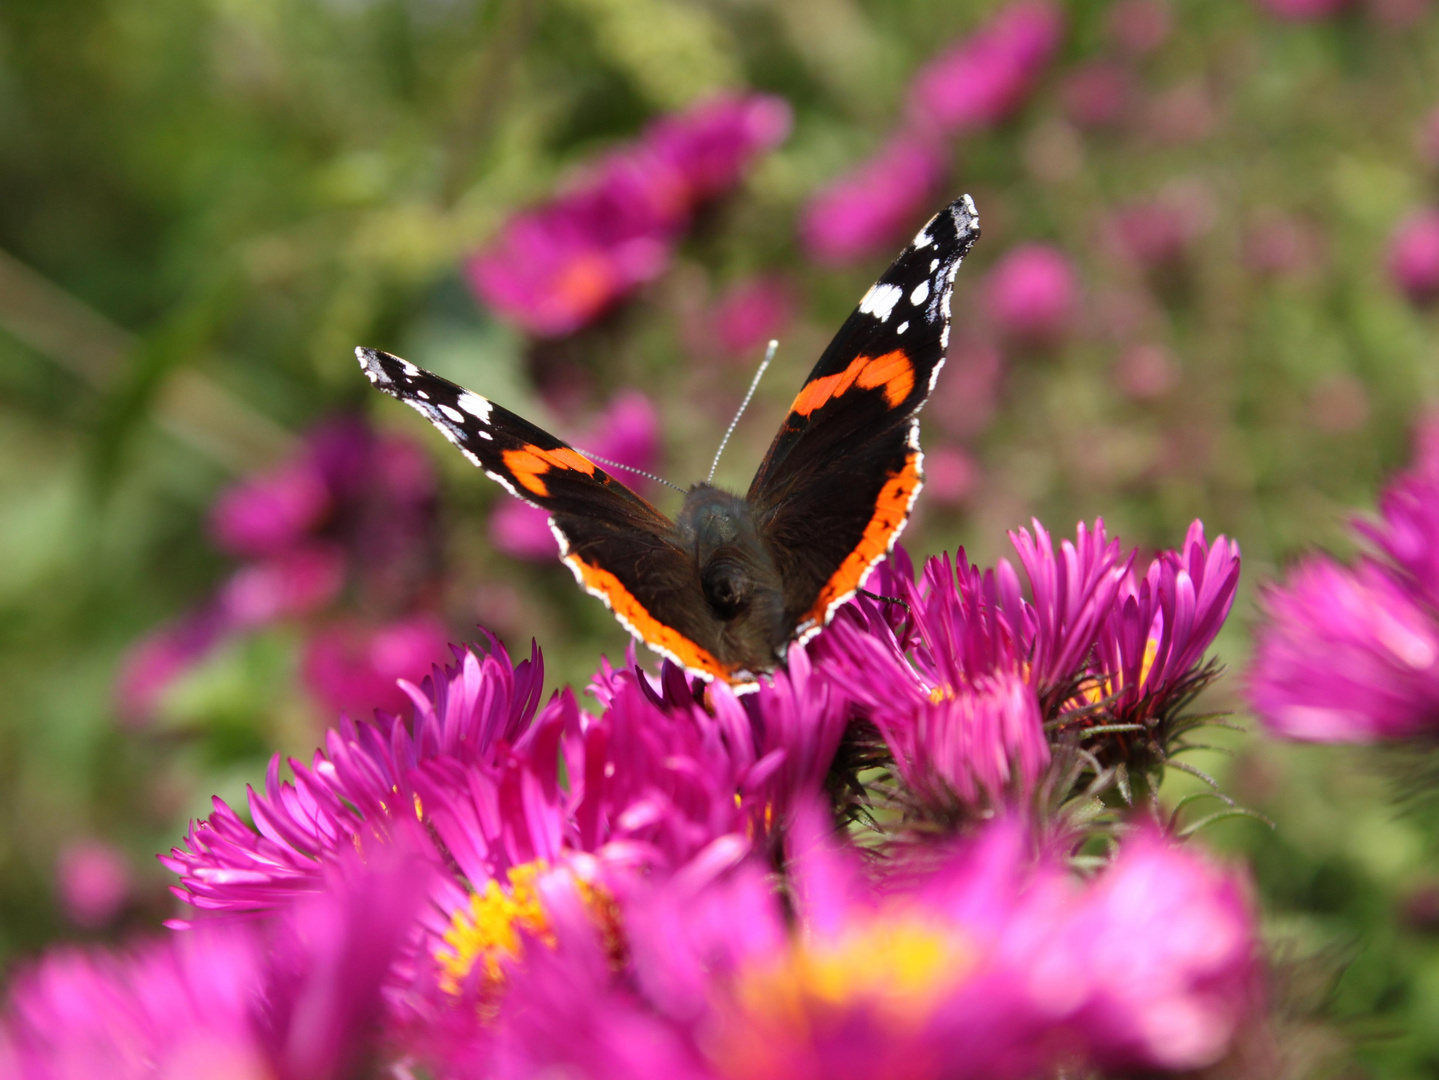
(241, 191)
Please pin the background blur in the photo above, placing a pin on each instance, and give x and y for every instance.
(1201, 292)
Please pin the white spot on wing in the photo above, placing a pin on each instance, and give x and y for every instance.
(920, 294)
(454, 414)
(902, 327)
(922, 239)
(933, 265)
(475, 405)
(410, 369)
(880, 300)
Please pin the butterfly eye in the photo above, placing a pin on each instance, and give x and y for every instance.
(727, 587)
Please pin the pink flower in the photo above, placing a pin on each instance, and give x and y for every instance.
(986, 78)
(712, 144)
(751, 313)
(557, 267)
(1167, 945)
(1097, 95)
(1140, 26)
(628, 431)
(1414, 257)
(865, 210)
(293, 583)
(1303, 10)
(352, 667)
(301, 997)
(267, 514)
(1033, 294)
(965, 400)
(1159, 232)
(950, 475)
(1345, 655)
(151, 665)
(94, 881)
(1283, 245)
(1145, 372)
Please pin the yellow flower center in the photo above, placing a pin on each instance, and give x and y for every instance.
(488, 931)
(900, 963)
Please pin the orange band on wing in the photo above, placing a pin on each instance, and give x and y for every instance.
(634, 614)
(529, 462)
(893, 372)
(890, 510)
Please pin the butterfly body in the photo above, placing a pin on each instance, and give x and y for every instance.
(732, 580)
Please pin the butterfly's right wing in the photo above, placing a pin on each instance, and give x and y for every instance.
(619, 547)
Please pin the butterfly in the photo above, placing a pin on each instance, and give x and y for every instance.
(725, 587)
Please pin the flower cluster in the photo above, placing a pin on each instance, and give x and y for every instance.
(684, 882)
(554, 268)
(352, 511)
(976, 84)
(1351, 653)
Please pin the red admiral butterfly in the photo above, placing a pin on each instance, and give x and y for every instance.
(725, 587)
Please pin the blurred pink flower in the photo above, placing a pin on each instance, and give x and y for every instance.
(1413, 257)
(556, 267)
(93, 879)
(1145, 372)
(865, 210)
(750, 313)
(152, 664)
(1303, 10)
(628, 431)
(267, 513)
(950, 475)
(1168, 949)
(291, 584)
(1397, 14)
(1140, 26)
(1033, 294)
(984, 79)
(1283, 245)
(351, 666)
(1157, 232)
(1098, 95)
(1345, 655)
(968, 392)
(712, 144)
(1180, 115)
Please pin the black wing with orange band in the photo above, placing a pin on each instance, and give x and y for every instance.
(839, 480)
(619, 547)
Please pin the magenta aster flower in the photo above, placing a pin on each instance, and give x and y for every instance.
(1413, 258)
(360, 784)
(864, 210)
(298, 999)
(1345, 655)
(1152, 645)
(93, 880)
(990, 964)
(354, 667)
(750, 313)
(986, 78)
(1351, 654)
(353, 507)
(1033, 294)
(555, 268)
(1166, 956)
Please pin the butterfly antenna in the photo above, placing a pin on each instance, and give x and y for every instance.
(743, 405)
(630, 468)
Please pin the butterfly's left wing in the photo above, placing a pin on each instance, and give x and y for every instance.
(619, 547)
(836, 487)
